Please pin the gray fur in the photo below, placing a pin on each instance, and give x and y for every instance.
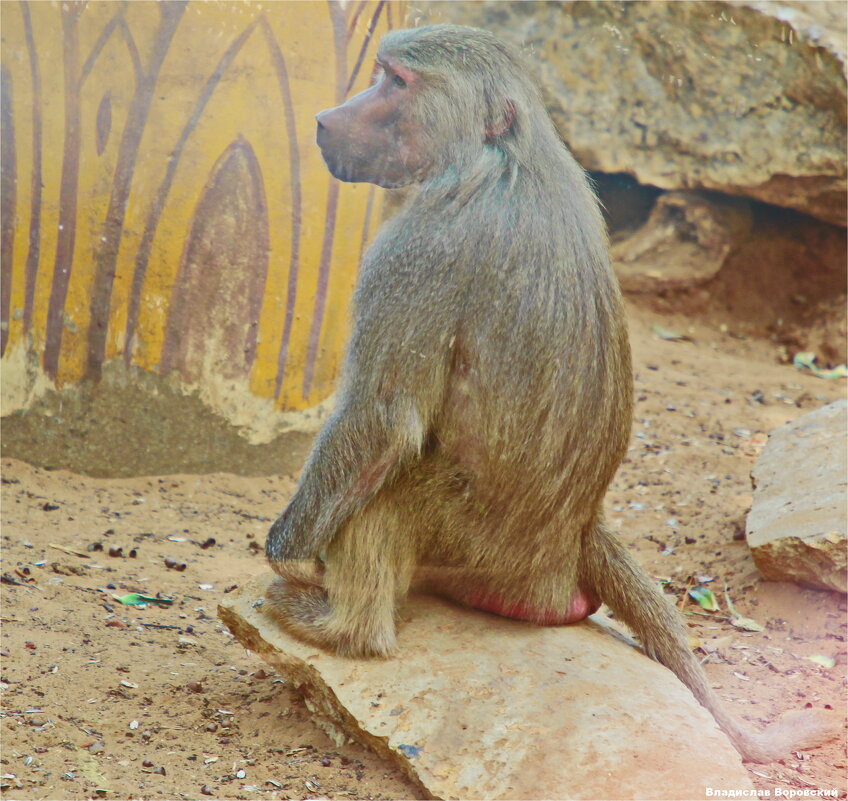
(485, 401)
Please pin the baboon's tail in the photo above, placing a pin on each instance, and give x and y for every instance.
(611, 571)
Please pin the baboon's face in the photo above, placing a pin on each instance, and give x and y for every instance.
(372, 138)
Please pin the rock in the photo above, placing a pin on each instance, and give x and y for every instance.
(797, 525)
(748, 99)
(684, 242)
(476, 706)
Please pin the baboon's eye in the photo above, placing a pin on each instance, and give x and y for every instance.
(398, 81)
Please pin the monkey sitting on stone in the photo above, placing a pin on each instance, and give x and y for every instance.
(486, 396)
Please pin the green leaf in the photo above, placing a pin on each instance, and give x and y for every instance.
(704, 598)
(840, 371)
(807, 359)
(825, 661)
(669, 335)
(137, 599)
(746, 624)
(804, 358)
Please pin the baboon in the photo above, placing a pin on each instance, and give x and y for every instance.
(486, 394)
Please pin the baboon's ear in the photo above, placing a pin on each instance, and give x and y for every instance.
(504, 125)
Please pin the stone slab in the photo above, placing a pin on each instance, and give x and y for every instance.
(476, 706)
(796, 528)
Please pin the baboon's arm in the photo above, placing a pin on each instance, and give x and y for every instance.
(392, 386)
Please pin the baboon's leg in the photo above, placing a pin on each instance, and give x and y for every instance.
(367, 569)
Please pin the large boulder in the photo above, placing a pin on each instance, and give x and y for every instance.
(476, 706)
(797, 525)
(746, 98)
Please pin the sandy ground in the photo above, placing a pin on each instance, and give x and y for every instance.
(105, 700)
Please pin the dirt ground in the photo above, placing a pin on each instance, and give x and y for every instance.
(105, 700)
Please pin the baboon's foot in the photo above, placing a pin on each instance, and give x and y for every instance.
(306, 612)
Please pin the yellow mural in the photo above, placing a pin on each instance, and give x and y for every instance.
(164, 203)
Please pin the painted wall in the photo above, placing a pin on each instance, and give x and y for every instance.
(164, 205)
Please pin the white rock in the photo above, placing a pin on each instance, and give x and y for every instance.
(797, 525)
